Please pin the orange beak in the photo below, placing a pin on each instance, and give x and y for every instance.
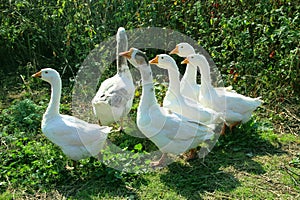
(38, 74)
(185, 61)
(154, 60)
(175, 51)
(126, 54)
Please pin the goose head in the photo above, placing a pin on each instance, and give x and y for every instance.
(195, 60)
(49, 75)
(136, 57)
(121, 33)
(163, 61)
(183, 49)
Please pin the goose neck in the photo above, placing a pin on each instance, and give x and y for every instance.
(53, 107)
(205, 73)
(148, 98)
(190, 74)
(174, 82)
(122, 45)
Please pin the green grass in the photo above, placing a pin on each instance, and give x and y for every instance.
(253, 161)
(258, 160)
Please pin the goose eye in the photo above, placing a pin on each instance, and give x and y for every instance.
(192, 57)
(162, 57)
(181, 47)
(46, 72)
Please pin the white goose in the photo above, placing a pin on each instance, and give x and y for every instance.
(237, 108)
(77, 138)
(188, 83)
(178, 103)
(114, 98)
(171, 132)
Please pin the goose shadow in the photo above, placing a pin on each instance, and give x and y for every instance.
(96, 180)
(234, 152)
(199, 176)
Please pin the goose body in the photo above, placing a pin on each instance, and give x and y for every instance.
(114, 98)
(77, 139)
(179, 103)
(169, 131)
(236, 107)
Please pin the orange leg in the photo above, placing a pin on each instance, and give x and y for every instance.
(160, 161)
(121, 128)
(223, 130)
(74, 164)
(234, 125)
(192, 154)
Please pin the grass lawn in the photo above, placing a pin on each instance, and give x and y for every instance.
(258, 160)
(244, 166)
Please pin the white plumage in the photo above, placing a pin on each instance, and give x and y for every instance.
(114, 98)
(235, 107)
(77, 139)
(178, 103)
(188, 83)
(171, 132)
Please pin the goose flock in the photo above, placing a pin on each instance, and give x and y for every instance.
(187, 118)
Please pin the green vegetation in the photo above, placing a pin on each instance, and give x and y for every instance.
(254, 45)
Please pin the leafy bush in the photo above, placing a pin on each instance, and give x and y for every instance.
(24, 116)
(250, 41)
